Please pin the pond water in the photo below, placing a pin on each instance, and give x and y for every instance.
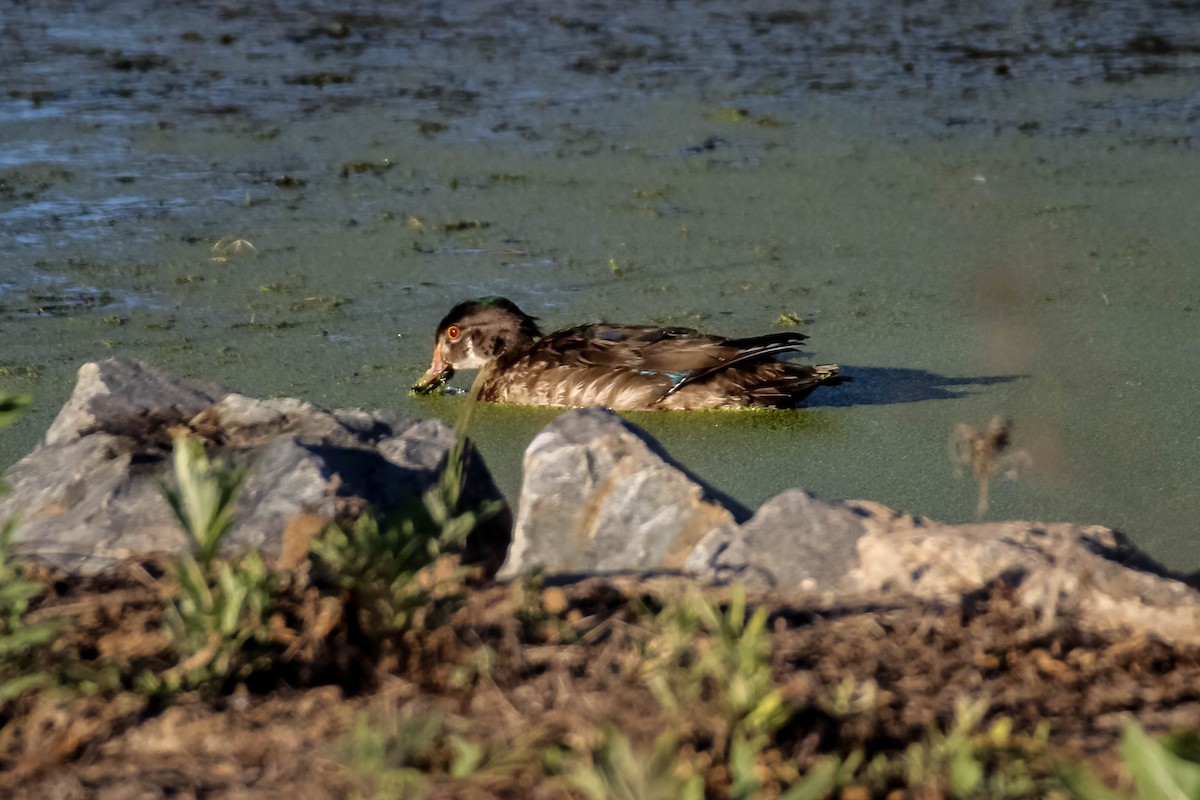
(975, 210)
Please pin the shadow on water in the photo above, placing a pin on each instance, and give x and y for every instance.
(880, 386)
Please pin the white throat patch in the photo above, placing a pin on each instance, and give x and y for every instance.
(472, 360)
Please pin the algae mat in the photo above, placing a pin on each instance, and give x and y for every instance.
(976, 214)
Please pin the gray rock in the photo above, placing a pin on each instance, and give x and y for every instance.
(794, 542)
(84, 505)
(804, 550)
(599, 497)
(122, 396)
(1091, 572)
(90, 494)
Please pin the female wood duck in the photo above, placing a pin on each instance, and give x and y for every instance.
(623, 367)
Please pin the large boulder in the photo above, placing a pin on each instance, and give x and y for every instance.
(599, 496)
(91, 494)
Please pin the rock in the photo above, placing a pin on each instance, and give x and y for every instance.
(794, 542)
(127, 397)
(90, 494)
(598, 496)
(1090, 572)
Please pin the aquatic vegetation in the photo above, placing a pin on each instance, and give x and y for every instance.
(743, 115)
(359, 167)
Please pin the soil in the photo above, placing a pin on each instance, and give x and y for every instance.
(525, 669)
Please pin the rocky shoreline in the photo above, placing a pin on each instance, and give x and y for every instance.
(599, 498)
(836, 649)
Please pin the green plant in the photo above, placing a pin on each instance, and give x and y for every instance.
(219, 611)
(388, 568)
(826, 775)
(12, 406)
(404, 754)
(389, 565)
(695, 652)
(967, 761)
(20, 639)
(392, 760)
(1163, 769)
(616, 772)
(850, 697)
(203, 503)
(443, 502)
(30, 655)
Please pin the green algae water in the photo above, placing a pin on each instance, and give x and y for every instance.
(982, 214)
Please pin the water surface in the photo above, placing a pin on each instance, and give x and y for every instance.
(974, 210)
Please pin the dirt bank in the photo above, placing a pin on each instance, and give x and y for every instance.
(520, 683)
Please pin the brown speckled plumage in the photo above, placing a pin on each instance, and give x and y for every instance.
(624, 367)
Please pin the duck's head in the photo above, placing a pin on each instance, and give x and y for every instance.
(473, 335)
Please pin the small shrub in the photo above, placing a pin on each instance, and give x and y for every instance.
(21, 641)
(392, 763)
(406, 754)
(391, 567)
(1163, 769)
(204, 499)
(617, 772)
(966, 760)
(695, 652)
(217, 621)
(387, 568)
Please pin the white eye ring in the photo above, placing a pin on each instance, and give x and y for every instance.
(453, 333)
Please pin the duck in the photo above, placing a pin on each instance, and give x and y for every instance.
(622, 367)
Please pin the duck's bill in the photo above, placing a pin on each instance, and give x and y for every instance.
(434, 379)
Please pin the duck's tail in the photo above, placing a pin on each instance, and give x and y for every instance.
(828, 373)
(797, 383)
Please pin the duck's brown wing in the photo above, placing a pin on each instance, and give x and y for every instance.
(681, 353)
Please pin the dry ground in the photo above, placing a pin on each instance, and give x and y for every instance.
(527, 671)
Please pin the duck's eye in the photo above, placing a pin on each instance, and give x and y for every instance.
(453, 332)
